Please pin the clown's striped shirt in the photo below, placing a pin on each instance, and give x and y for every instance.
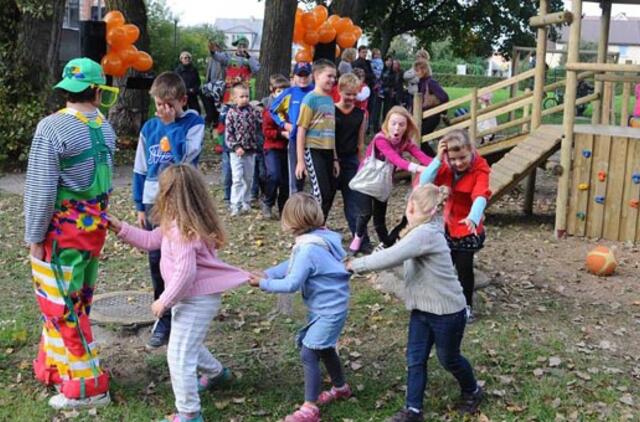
(57, 136)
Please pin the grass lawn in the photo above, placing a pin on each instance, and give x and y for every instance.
(504, 94)
(526, 347)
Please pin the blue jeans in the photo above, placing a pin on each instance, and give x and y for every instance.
(226, 174)
(446, 332)
(259, 175)
(348, 169)
(277, 184)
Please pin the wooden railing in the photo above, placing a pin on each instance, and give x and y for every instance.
(522, 102)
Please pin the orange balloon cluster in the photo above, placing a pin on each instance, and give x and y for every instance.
(316, 26)
(122, 53)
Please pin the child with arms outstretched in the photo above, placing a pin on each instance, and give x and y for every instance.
(189, 233)
(434, 297)
(315, 268)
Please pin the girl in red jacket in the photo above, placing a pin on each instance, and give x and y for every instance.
(459, 166)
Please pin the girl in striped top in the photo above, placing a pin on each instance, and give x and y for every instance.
(189, 233)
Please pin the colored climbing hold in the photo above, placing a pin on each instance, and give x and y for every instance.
(599, 199)
(586, 153)
(581, 215)
(602, 176)
(634, 203)
(583, 186)
(635, 177)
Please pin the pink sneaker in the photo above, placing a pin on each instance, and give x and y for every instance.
(356, 243)
(334, 394)
(306, 413)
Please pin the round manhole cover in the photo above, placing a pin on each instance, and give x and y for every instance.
(126, 308)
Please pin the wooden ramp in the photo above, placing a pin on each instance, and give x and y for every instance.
(530, 152)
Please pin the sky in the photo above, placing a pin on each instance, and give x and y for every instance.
(193, 12)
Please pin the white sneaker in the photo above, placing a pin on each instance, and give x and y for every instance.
(235, 212)
(59, 401)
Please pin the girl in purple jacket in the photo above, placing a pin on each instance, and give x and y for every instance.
(398, 135)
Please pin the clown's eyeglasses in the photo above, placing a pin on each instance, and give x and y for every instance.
(109, 95)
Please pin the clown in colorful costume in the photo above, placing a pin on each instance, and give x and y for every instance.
(65, 203)
(240, 66)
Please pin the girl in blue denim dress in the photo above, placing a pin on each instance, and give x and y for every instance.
(316, 269)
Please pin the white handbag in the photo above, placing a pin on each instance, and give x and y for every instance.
(375, 178)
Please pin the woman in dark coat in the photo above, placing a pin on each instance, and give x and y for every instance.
(191, 78)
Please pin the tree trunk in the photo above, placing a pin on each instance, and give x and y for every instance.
(130, 112)
(275, 48)
(35, 57)
(353, 9)
(386, 36)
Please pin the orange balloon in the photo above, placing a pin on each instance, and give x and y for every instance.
(128, 54)
(338, 51)
(117, 37)
(346, 40)
(309, 20)
(357, 31)
(143, 62)
(298, 35)
(326, 33)
(112, 64)
(305, 54)
(333, 19)
(132, 33)
(113, 19)
(342, 25)
(321, 13)
(311, 37)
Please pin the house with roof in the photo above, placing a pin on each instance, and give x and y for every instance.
(624, 37)
(233, 29)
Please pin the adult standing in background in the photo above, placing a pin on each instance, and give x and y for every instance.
(390, 92)
(191, 78)
(432, 96)
(346, 61)
(241, 67)
(412, 80)
(215, 75)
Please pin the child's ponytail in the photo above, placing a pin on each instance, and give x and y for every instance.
(430, 200)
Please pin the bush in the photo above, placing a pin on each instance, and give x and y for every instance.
(465, 81)
(17, 125)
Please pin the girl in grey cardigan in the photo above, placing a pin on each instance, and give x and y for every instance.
(434, 297)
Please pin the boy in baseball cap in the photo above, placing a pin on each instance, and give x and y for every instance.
(285, 110)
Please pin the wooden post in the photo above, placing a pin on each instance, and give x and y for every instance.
(607, 101)
(473, 112)
(515, 56)
(551, 19)
(624, 112)
(538, 94)
(525, 113)
(417, 110)
(569, 116)
(603, 43)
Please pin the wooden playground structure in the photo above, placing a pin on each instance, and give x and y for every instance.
(599, 184)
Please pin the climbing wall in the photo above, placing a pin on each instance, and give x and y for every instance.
(605, 183)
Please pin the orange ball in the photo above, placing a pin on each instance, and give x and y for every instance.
(601, 261)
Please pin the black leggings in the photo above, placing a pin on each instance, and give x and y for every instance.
(368, 206)
(463, 261)
(319, 164)
(311, 365)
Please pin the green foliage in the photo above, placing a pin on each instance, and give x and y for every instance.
(474, 27)
(168, 38)
(401, 48)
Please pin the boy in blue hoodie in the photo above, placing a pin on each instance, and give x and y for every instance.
(315, 268)
(174, 136)
(285, 111)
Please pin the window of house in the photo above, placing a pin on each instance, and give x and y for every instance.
(94, 13)
(71, 15)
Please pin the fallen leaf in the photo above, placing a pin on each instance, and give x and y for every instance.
(583, 375)
(239, 400)
(554, 361)
(538, 372)
(626, 399)
(221, 405)
(356, 365)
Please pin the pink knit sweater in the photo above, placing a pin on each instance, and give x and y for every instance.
(392, 152)
(189, 268)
